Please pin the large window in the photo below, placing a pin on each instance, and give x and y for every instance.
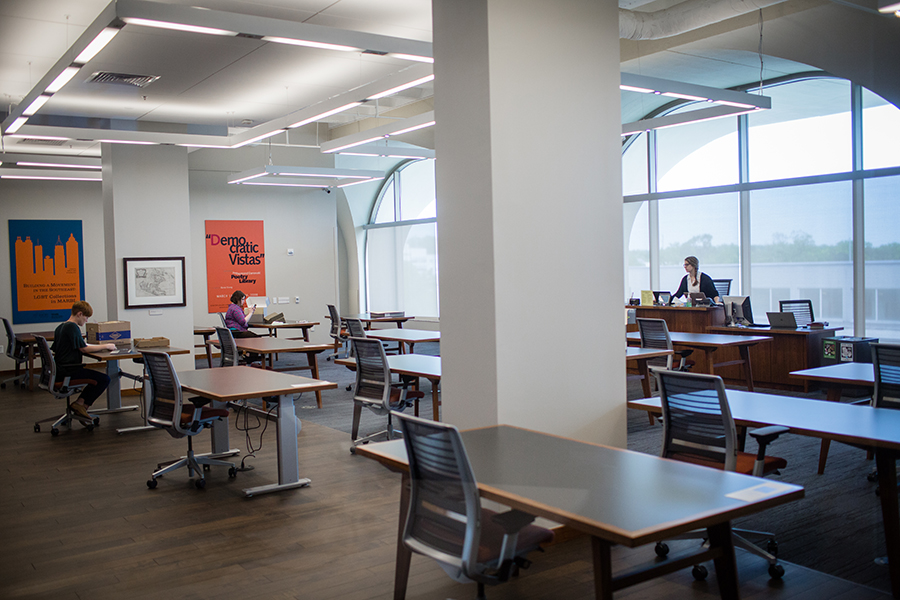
(401, 246)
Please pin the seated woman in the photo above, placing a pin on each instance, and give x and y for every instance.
(695, 281)
(236, 318)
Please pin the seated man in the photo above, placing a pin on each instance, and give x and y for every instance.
(68, 348)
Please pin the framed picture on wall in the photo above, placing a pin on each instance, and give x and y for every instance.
(154, 282)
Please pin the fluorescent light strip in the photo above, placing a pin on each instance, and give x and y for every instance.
(36, 105)
(258, 138)
(178, 26)
(14, 127)
(310, 44)
(631, 88)
(684, 96)
(358, 182)
(413, 57)
(58, 165)
(360, 143)
(402, 87)
(320, 175)
(248, 177)
(135, 142)
(100, 42)
(62, 79)
(303, 185)
(327, 113)
(735, 104)
(890, 8)
(413, 128)
(42, 177)
(190, 145)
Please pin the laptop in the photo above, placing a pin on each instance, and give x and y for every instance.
(782, 320)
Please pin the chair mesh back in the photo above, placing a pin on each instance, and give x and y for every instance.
(445, 510)
(48, 365)
(655, 334)
(723, 286)
(11, 342)
(222, 318)
(165, 396)
(886, 360)
(335, 321)
(355, 327)
(373, 376)
(802, 309)
(229, 348)
(697, 423)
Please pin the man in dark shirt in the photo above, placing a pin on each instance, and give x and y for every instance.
(68, 348)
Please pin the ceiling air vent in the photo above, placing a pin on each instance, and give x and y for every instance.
(37, 142)
(123, 79)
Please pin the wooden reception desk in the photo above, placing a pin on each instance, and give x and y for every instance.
(695, 319)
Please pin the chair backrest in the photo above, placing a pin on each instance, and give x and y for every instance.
(723, 287)
(655, 334)
(886, 361)
(373, 375)
(444, 518)
(335, 332)
(222, 318)
(47, 380)
(166, 401)
(228, 347)
(355, 328)
(802, 309)
(697, 422)
(14, 349)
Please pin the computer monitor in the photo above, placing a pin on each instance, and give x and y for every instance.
(738, 308)
(662, 297)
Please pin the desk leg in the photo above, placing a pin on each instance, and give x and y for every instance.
(435, 400)
(886, 463)
(602, 554)
(726, 568)
(401, 570)
(314, 369)
(31, 367)
(288, 465)
(834, 395)
(748, 369)
(208, 351)
(114, 391)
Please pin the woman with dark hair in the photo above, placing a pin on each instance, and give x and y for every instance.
(236, 318)
(695, 281)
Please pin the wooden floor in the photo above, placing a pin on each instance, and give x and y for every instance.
(80, 523)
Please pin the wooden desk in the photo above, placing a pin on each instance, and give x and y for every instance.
(790, 350)
(242, 383)
(405, 337)
(694, 319)
(27, 339)
(836, 378)
(368, 319)
(710, 343)
(273, 328)
(270, 346)
(640, 356)
(206, 333)
(604, 492)
(849, 423)
(412, 365)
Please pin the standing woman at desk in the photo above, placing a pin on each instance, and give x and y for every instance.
(236, 318)
(695, 281)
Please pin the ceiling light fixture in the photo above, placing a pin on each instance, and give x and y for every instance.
(62, 79)
(258, 138)
(58, 165)
(413, 57)
(378, 133)
(310, 44)
(286, 176)
(325, 114)
(99, 43)
(178, 26)
(889, 6)
(35, 106)
(402, 87)
(14, 127)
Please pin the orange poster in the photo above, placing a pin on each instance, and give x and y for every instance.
(235, 260)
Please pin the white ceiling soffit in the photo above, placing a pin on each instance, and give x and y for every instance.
(380, 132)
(236, 55)
(683, 17)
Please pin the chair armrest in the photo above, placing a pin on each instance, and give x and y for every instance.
(512, 520)
(765, 435)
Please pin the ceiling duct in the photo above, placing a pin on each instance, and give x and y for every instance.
(123, 79)
(683, 17)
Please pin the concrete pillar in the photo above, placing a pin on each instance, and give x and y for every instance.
(530, 215)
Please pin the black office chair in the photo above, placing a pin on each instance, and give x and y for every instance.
(355, 328)
(886, 365)
(723, 287)
(698, 428)
(222, 318)
(802, 309)
(227, 347)
(61, 390)
(375, 390)
(337, 333)
(19, 355)
(655, 334)
(446, 521)
(167, 411)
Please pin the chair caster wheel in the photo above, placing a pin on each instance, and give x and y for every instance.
(776, 571)
(2, 386)
(54, 432)
(232, 473)
(662, 550)
(200, 484)
(152, 483)
(873, 477)
(352, 449)
(37, 428)
(699, 572)
(96, 421)
(89, 427)
(772, 547)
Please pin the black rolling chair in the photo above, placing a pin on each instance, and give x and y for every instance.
(655, 334)
(168, 411)
(446, 521)
(222, 318)
(723, 287)
(355, 328)
(337, 333)
(227, 347)
(18, 353)
(802, 309)
(61, 390)
(698, 428)
(375, 390)
(886, 365)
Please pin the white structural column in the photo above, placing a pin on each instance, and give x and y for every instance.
(146, 206)
(530, 215)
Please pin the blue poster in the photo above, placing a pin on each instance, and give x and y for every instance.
(46, 259)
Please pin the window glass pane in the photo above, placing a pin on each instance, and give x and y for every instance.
(401, 267)
(385, 212)
(637, 233)
(634, 167)
(807, 131)
(417, 191)
(881, 132)
(697, 155)
(701, 226)
(800, 248)
(882, 205)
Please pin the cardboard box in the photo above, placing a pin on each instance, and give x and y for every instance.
(154, 342)
(117, 332)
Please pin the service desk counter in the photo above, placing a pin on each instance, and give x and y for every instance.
(790, 350)
(694, 319)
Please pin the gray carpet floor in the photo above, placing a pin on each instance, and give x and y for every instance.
(835, 529)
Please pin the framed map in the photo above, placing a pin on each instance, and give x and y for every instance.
(154, 282)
